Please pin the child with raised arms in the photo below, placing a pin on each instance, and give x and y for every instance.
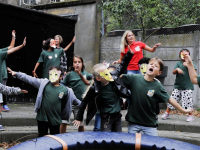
(50, 56)
(54, 100)
(145, 91)
(104, 96)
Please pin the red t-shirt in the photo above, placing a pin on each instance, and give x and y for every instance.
(136, 47)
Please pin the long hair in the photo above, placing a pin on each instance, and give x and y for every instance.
(46, 44)
(124, 42)
(83, 66)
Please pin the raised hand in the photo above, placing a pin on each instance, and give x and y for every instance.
(78, 71)
(11, 72)
(74, 38)
(129, 49)
(24, 42)
(13, 33)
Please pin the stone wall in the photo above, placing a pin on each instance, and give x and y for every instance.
(168, 52)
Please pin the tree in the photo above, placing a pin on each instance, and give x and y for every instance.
(145, 14)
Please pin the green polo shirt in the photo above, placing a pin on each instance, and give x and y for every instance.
(4, 73)
(144, 94)
(183, 81)
(110, 99)
(3, 56)
(73, 80)
(50, 110)
(49, 59)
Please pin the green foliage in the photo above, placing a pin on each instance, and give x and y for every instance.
(145, 14)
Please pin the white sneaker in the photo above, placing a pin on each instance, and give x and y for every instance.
(165, 115)
(190, 118)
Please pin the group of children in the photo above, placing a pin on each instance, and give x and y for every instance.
(55, 101)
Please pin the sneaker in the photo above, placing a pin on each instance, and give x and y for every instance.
(190, 118)
(5, 108)
(1, 128)
(165, 115)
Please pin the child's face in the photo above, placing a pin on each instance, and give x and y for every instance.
(153, 68)
(130, 37)
(77, 63)
(52, 43)
(57, 40)
(54, 76)
(143, 68)
(182, 54)
(106, 75)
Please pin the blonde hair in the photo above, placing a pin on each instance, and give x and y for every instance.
(160, 62)
(97, 69)
(124, 41)
(60, 38)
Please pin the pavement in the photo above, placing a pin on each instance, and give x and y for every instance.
(20, 125)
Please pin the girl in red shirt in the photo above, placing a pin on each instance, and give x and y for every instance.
(128, 42)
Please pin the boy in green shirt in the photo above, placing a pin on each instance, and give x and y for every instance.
(145, 91)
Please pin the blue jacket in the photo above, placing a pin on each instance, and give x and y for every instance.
(40, 84)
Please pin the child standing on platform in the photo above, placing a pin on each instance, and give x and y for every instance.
(145, 92)
(77, 79)
(183, 87)
(50, 56)
(63, 60)
(104, 95)
(54, 100)
(4, 71)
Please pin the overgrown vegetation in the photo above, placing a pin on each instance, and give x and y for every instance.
(146, 14)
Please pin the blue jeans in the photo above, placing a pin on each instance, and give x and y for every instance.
(133, 72)
(133, 128)
(97, 123)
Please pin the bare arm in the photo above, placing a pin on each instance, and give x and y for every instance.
(188, 63)
(174, 103)
(12, 50)
(34, 71)
(119, 60)
(12, 43)
(153, 49)
(68, 46)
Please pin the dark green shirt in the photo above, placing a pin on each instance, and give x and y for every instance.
(144, 94)
(3, 67)
(50, 110)
(3, 56)
(183, 81)
(110, 100)
(50, 58)
(73, 80)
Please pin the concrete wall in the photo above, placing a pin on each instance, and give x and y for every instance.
(87, 29)
(168, 52)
